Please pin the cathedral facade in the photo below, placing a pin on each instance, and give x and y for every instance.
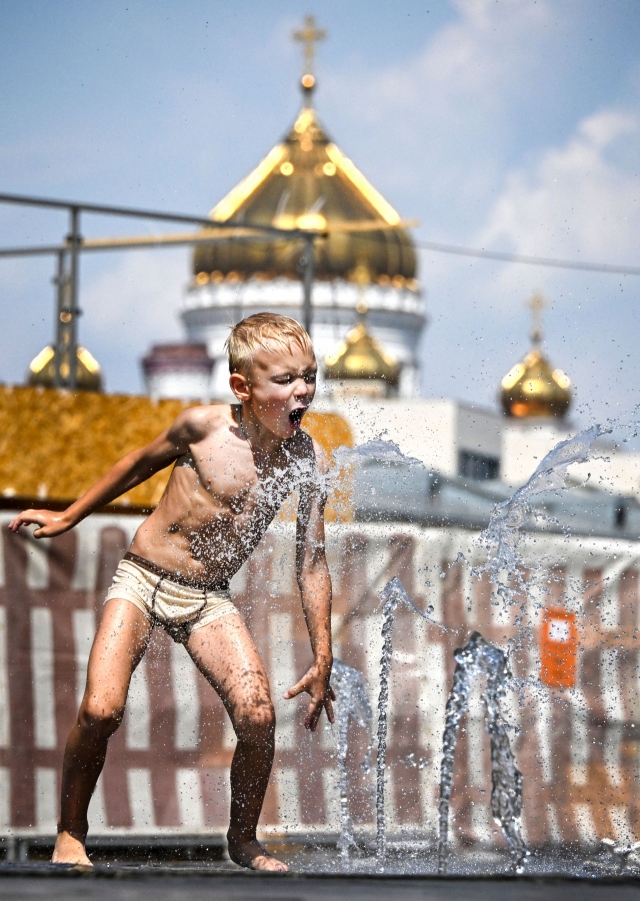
(364, 260)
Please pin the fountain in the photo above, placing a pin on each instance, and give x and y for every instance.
(478, 658)
(502, 535)
(352, 703)
(475, 659)
(392, 594)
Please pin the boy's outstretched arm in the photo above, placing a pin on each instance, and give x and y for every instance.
(314, 582)
(128, 472)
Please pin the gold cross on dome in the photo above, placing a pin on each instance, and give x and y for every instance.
(309, 35)
(536, 305)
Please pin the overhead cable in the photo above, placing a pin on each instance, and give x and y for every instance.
(528, 260)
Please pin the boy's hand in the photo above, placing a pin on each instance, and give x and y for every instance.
(316, 683)
(49, 522)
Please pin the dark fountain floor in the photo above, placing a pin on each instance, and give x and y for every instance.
(216, 883)
(315, 876)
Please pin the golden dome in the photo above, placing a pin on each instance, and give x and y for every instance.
(360, 357)
(533, 387)
(42, 371)
(307, 182)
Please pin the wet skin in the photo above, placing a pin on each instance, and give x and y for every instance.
(235, 465)
(222, 495)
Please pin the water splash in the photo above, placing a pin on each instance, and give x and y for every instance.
(392, 594)
(505, 565)
(476, 658)
(391, 597)
(620, 854)
(352, 703)
(378, 449)
(348, 461)
(502, 535)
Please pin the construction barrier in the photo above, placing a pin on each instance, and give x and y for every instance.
(575, 718)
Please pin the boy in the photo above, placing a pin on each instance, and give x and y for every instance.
(234, 466)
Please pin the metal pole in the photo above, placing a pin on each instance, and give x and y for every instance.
(61, 290)
(307, 262)
(21, 199)
(72, 345)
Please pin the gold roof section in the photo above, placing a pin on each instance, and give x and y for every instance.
(307, 182)
(360, 183)
(360, 356)
(305, 125)
(533, 388)
(55, 444)
(42, 370)
(236, 197)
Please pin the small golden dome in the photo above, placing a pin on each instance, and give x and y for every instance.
(533, 387)
(360, 356)
(42, 370)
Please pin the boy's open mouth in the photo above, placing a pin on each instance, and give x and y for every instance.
(295, 417)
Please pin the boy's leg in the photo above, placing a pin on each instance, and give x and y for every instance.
(225, 654)
(118, 647)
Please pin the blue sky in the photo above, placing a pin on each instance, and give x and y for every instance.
(507, 124)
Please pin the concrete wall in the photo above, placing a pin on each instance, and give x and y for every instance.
(433, 430)
(524, 445)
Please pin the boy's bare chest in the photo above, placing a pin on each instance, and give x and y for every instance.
(238, 484)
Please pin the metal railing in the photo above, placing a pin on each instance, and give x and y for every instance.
(68, 258)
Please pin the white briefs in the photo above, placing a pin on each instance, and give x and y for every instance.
(178, 608)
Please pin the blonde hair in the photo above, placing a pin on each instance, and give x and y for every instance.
(263, 331)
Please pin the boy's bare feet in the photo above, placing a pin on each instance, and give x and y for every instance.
(69, 850)
(249, 853)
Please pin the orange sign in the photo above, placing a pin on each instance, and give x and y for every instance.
(558, 648)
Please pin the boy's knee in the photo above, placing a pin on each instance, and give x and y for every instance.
(100, 717)
(257, 723)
